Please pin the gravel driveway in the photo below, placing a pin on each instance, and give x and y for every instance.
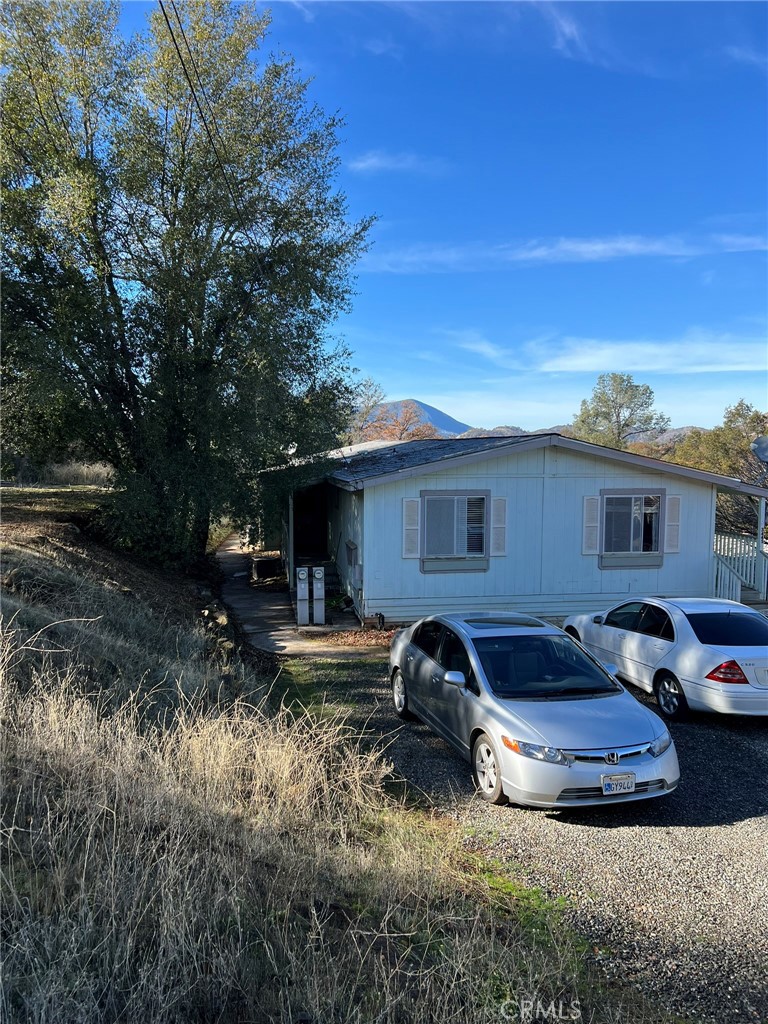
(674, 890)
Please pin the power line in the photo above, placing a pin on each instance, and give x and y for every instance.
(204, 119)
(197, 72)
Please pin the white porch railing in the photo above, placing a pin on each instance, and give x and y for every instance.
(739, 554)
(727, 582)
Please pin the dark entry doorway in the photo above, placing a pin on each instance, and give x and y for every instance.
(310, 525)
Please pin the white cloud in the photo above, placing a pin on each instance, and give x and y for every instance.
(569, 37)
(598, 250)
(377, 161)
(475, 256)
(418, 259)
(741, 243)
(306, 13)
(746, 55)
(693, 376)
(695, 352)
(429, 357)
(572, 41)
(381, 47)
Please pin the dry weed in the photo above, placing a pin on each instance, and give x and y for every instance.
(172, 852)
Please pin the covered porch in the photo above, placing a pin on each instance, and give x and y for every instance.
(741, 564)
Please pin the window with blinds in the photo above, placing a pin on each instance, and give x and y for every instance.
(455, 526)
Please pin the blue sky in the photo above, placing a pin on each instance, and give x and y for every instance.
(563, 189)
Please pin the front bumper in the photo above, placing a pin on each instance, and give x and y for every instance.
(535, 784)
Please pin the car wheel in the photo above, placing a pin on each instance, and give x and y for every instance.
(670, 697)
(573, 632)
(400, 695)
(486, 770)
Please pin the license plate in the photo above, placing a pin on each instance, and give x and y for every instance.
(613, 784)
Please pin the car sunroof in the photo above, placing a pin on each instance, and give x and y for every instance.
(509, 620)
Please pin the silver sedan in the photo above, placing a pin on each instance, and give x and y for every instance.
(541, 722)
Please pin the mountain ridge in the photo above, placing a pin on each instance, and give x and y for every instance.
(447, 424)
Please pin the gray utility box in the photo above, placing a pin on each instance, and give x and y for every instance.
(318, 595)
(302, 596)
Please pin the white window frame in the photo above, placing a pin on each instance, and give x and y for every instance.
(465, 534)
(460, 558)
(594, 528)
(638, 508)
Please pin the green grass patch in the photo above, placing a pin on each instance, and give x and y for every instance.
(324, 687)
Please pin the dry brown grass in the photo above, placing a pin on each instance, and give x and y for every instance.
(176, 848)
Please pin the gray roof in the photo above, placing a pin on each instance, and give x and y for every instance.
(373, 459)
(379, 461)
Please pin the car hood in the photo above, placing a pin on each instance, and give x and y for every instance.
(617, 720)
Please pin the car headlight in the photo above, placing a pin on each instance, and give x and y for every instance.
(661, 744)
(550, 755)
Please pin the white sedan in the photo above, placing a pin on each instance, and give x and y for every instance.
(697, 653)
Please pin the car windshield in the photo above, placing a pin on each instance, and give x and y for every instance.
(541, 666)
(729, 629)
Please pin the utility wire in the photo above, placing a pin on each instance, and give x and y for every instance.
(197, 72)
(203, 118)
(201, 89)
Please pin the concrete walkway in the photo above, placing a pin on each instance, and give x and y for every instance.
(266, 615)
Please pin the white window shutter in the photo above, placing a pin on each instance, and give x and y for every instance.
(499, 526)
(672, 524)
(411, 526)
(590, 536)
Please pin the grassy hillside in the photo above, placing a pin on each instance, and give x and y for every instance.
(179, 846)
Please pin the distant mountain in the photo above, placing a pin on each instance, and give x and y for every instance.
(675, 435)
(514, 431)
(447, 425)
(494, 432)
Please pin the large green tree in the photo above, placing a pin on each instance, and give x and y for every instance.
(175, 252)
(726, 450)
(618, 413)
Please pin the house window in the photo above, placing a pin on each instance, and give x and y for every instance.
(629, 528)
(454, 531)
(631, 523)
(454, 526)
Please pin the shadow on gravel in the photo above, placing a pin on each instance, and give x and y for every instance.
(723, 760)
(723, 763)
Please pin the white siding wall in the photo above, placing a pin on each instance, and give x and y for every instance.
(544, 570)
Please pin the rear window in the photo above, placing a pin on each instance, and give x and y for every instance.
(729, 629)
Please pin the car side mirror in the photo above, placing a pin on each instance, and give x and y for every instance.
(597, 619)
(455, 679)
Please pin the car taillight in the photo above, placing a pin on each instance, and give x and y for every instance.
(728, 672)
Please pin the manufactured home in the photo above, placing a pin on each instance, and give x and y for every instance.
(538, 522)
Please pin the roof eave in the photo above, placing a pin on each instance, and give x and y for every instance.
(729, 485)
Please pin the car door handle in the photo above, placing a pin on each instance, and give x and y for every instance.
(658, 647)
(622, 636)
(409, 657)
(435, 679)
